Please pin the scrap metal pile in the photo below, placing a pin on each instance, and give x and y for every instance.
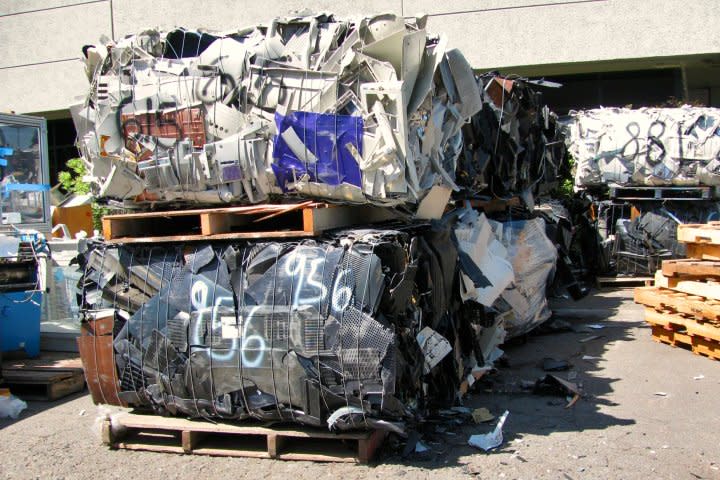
(371, 328)
(374, 110)
(514, 145)
(361, 329)
(642, 154)
(362, 111)
(647, 146)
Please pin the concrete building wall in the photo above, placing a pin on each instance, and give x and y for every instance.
(40, 73)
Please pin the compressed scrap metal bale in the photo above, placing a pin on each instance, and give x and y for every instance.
(646, 146)
(361, 329)
(513, 145)
(364, 111)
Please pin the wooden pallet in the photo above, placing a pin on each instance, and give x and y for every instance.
(618, 192)
(699, 233)
(698, 285)
(177, 435)
(700, 308)
(622, 282)
(675, 330)
(690, 266)
(260, 221)
(40, 383)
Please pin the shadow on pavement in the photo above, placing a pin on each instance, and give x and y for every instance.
(533, 414)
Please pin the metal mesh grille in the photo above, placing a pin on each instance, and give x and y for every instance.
(132, 378)
(177, 331)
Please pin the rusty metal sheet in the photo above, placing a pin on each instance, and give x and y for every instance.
(98, 363)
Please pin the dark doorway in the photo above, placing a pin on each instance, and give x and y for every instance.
(61, 145)
(639, 88)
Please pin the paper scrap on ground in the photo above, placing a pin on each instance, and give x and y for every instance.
(11, 406)
(482, 415)
(491, 440)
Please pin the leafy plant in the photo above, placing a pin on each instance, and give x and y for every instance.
(564, 188)
(71, 180)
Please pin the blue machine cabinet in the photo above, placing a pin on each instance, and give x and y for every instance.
(20, 322)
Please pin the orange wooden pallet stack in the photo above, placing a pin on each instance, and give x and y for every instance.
(683, 306)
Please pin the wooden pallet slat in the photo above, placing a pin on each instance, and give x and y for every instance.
(622, 281)
(699, 233)
(250, 222)
(673, 320)
(703, 251)
(673, 329)
(640, 192)
(690, 284)
(697, 345)
(177, 435)
(690, 266)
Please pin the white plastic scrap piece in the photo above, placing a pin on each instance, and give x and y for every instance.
(122, 182)
(434, 203)
(297, 146)
(11, 406)
(434, 347)
(491, 440)
(341, 412)
(476, 238)
(222, 121)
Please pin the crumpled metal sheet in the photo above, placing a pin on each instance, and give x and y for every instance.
(365, 111)
(314, 332)
(646, 146)
(513, 145)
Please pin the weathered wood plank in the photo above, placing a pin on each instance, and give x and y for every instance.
(688, 266)
(699, 233)
(692, 285)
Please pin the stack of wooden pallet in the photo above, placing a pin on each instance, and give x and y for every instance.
(683, 307)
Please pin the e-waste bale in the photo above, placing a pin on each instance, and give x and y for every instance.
(361, 329)
(646, 146)
(533, 257)
(362, 111)
(514, 145)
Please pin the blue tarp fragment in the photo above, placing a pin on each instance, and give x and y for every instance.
(326, 136)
